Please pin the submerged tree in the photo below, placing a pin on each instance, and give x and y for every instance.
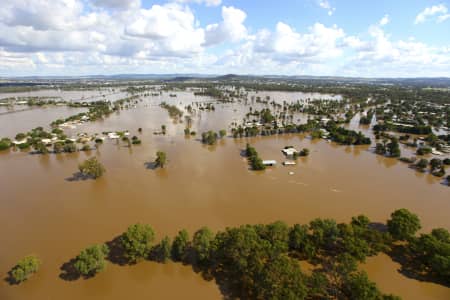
(92, 168)
(403, 224)
(180, 246)
(91, 260)
(26, 267)
(209, 137)
(161, 252)
(137, 241)
(161, 159)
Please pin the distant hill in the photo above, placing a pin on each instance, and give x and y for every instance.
(438, 82)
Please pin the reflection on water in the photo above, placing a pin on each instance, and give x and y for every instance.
(42, 213)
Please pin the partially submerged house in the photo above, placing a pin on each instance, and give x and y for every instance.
(269, 162)
(289, 151)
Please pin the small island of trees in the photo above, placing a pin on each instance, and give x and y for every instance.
(261, 261)
(161, 159)
(26, 267)
(91, 168)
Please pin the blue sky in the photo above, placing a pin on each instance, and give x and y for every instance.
(290, 37)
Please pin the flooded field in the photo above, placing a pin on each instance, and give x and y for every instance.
(44, 212)
(75, 95)
(21, 118)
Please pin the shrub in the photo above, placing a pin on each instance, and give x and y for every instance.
(25, 268)
(137, 241)
(91, 260)
(91, 167)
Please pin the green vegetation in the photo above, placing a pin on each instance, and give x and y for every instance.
(262, 261)
(41, 148)
(344, 136)
(421, 164)
(423, 150)
(91, 168)
(431, 252)
(209, 137)
(137, 242)
(135, 140)
(253, 158)
(5, 144)
(58, 147)
(222, 133)
(161, 159)
(26, 267)
(419, 129)
(162, 251)
(174, 112)
(70, 147)
(180, 246)
(91, 260)
(304, 152)
(403, 224)
(266, 116)
(393, 148)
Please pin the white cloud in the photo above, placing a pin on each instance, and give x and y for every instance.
(440, 11)
(206, 2)
(231, 28)
(120, 36)
(170, 29)
(380, 56)
(385, 20)
(37, 14)
(325, 4)
(286, 43)
(442, 18)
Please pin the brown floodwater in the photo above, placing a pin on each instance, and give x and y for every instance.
(44, 212)
(22, 118)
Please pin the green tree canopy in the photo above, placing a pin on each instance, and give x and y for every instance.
(92, 168)
(403, 224)
(137, 241)
(25, 268)
(91, 260)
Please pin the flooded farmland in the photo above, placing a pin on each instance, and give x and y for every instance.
(44, 212)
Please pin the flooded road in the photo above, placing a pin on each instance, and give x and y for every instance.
(43, 212)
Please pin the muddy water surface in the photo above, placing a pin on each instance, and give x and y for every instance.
(43, 211)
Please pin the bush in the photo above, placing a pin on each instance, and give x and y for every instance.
(23, 146)
(304, 152)
(41, 148)
(5, 143)
(20, 136)
(135, 140)
(161, 252)
(209, 137)
(161, 159)
(25, 268)
(91, 260)
(137, 241)
(180, 246)
(403, 224)
(58, 147)
(423, 151)
(92, 168)
(70, 147)
(422, 164)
